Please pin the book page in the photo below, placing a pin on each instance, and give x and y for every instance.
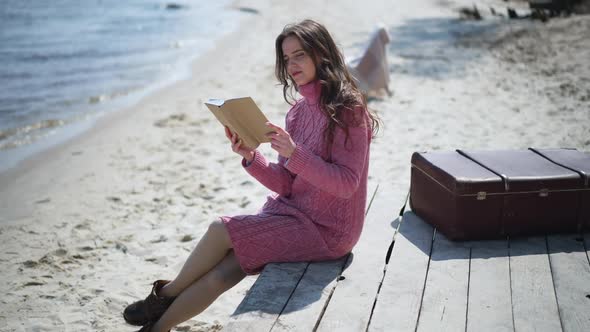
(217, 111)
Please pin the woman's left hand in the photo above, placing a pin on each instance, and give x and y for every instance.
(281, 141)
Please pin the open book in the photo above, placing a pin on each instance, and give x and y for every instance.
(243, 117)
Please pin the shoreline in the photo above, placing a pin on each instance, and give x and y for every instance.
(182, 70)
(82, 130)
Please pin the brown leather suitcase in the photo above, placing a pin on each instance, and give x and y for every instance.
(471, 195)
(580, 163)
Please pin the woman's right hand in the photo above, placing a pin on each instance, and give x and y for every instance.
(236, 145)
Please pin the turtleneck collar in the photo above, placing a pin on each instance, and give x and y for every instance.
(311, 91)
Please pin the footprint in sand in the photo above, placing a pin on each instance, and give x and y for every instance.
(203, 151)
(245, 202)
(187, 238)
(78, 256)
(120, 246)
(49, 260)
(173, 120)
(60, 252)
(83, 226)
(114, 199)
(30, 264)
(162, 238)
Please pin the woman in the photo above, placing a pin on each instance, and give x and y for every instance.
(320, 185)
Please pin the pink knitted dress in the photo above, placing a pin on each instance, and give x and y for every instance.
(318, 210)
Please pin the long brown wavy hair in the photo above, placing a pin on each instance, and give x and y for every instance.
(339, 92)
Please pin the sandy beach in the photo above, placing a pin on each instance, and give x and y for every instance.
(87, 226)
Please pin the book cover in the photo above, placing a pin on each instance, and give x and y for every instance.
(243, 117)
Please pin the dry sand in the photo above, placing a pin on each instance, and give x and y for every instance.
(86, 227)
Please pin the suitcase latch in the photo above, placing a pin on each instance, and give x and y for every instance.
(544, 192)
(481, 195)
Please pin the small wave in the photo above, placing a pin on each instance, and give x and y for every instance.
(14, 137)
(175, 6)
(59, 55)
(16, 76)
(131, 47)
(249, 10)
(177, 44)
(97, 99)
(180, 43)
(113, 95)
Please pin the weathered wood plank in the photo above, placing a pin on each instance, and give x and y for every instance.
(533, 297)
(351, 303)
(489, 307)
(571, 278)
(266, 299)
(307, 302)
(444, 306)
(398, 302)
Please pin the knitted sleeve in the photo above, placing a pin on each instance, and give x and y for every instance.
(273, 176)
(342, 175)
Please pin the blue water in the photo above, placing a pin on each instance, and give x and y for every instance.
(64, 62)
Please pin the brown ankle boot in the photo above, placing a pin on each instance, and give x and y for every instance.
(149, 310)
(147, 328)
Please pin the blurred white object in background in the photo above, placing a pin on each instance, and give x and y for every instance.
(371, 69)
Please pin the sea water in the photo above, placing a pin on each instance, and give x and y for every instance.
(63, 63)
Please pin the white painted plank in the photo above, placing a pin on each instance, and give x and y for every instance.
(489, 307)
(533, 297)
(571, 278)
(351, 303)
(261, 307)
(400, 297)
(444, 306)
(313, 291)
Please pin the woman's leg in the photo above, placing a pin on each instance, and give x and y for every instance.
(210, 250)
(201, 293)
